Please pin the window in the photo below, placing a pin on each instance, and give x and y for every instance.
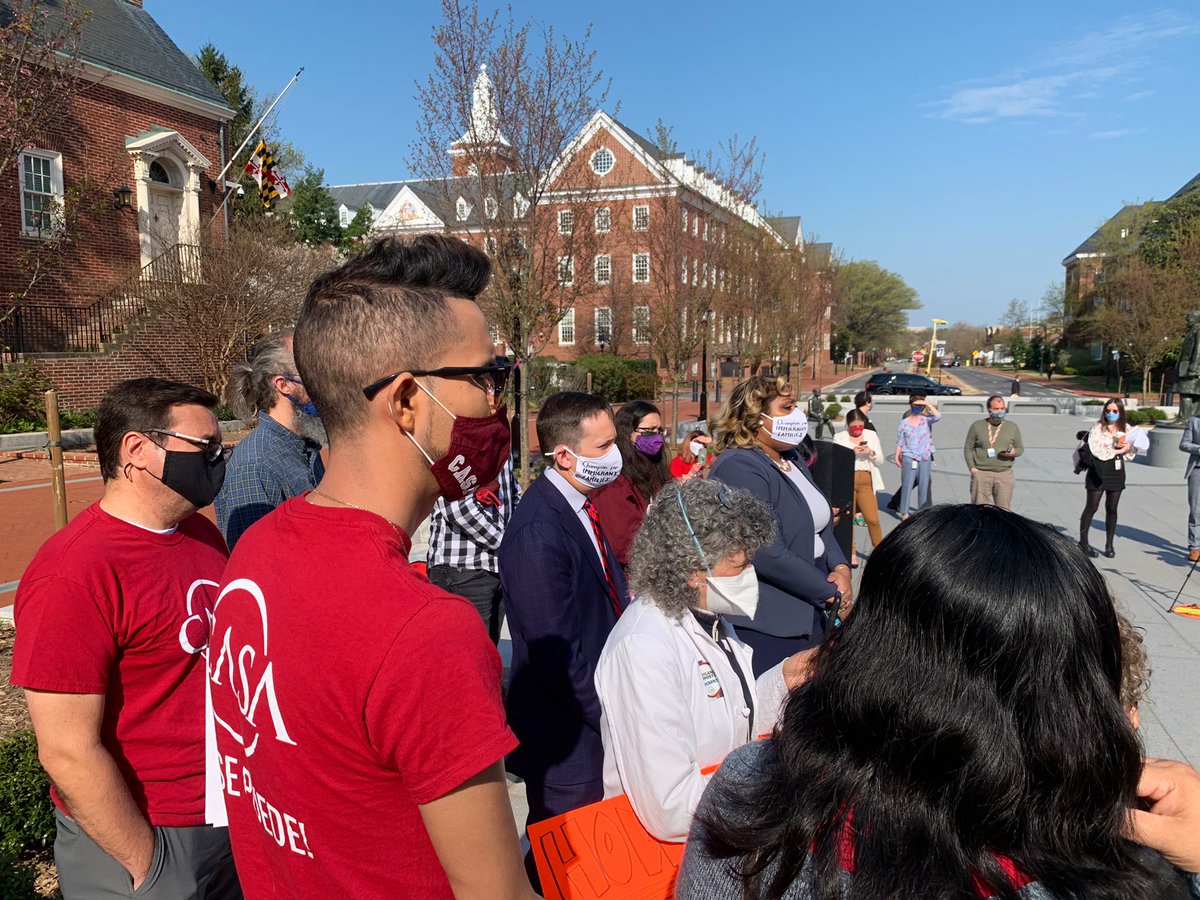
(603, 269)
(706, 231)
(566, 327)
(343, 217)
(603, 220)
(566, 270)
(489, 247)
(41, 191)
(462, 209)
(491, 208)
(641, 268)
(603, 161)
(161, 173)
(641, 324)
(566, 221)
(603, 325)
(520, 206)
(641, 218)
(494, 331)
(696, 226)
(685, 278)
(695, 271)
(685, 214)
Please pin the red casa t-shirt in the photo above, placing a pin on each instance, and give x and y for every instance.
(109, 608)
(347, 690)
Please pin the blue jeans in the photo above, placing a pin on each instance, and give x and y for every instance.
(921, 475)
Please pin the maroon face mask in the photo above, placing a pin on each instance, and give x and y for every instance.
(479, 445)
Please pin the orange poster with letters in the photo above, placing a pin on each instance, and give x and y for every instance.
(602, 852)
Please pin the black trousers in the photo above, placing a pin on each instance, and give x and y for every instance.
(480, 588)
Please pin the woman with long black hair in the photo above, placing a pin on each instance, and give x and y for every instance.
(1111, 446)
(961, 736)
(645, 470)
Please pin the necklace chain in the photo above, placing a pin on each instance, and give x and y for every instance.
(333, 499)
(781, 464)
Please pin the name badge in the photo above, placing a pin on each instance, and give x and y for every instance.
(915, 465)
(991, 452)
(712, 686)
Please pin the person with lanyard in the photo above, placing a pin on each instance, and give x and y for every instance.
(692, 459)
(914, 451)
(564, 590)
(675, 681)
(990, 448)
(868, 457)
(644, 472)
(1110, 446)
(802, 574)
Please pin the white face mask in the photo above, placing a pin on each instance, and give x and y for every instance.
(596, 472)
(697, 449)
(733, 595)
(789, 429)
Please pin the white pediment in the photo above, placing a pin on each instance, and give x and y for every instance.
(407, 210)
(161, 141)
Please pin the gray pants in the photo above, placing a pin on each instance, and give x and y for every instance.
(193, 863)
(920, 478)
(1194, 509)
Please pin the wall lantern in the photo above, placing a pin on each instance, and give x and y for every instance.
(123, 197)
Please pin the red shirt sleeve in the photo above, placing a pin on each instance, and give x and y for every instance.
(434, 711)
(679, 468)
(65, 640)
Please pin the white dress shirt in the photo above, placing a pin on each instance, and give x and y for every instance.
(575, 500)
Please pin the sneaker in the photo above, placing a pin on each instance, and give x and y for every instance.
(859, 520)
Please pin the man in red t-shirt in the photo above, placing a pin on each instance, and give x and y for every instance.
(359, 724)
(112, 624)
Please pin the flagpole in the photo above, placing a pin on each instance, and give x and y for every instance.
(258, 125)
(227, 191)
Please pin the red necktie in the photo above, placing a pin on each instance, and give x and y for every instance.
(598, 531)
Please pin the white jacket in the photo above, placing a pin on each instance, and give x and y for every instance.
(672, 706)
(865, 463)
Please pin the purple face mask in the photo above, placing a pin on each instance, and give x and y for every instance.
(650, 444)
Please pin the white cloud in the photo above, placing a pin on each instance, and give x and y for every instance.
(1139, 95)
(1071, 71)
(1108, 135)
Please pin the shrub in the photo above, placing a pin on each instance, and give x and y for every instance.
(16, 878)
(846, 399)
(86, 418)
(833, 410)
(641, 385)
(22, 390)
(26, 811)
(618, 380)
(1093, 402)
(830, 398)
(1070, 370)
(1145, 416)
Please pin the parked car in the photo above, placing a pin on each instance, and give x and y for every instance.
(906, 383)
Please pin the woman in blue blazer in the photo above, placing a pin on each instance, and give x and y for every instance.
(803, 574)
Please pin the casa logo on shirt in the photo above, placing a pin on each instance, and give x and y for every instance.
(194, 632)
(712, 687)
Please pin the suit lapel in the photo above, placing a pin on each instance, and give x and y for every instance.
(571, 524)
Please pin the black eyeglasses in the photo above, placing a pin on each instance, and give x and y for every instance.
(649, 431)
(490, 379)
(212, 448)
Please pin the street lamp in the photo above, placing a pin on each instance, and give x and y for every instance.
(705, 318)
(933, 344)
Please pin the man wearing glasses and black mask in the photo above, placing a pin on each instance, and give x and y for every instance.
(356, 704)
(112, 625)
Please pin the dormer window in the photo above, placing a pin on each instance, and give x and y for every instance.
(520, 206)
(491, 208)
(462, 209)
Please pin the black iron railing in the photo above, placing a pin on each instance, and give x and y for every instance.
(45, 328)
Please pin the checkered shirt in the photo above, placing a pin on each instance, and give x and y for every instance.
(466, 533)
(268, 466)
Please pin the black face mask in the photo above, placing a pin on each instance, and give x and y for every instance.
(192, 477)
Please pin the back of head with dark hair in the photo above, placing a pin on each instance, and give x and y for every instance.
(968, 708)
(861, 399)
(381, 312)
(647, 473)
(138, 405)
(856, 415)
(916, 395)
(560, 418)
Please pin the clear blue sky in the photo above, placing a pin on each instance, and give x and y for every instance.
(968, 147)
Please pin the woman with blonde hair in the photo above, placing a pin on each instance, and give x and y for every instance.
(802, 574)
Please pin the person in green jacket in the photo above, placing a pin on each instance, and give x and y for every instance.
(991, 446)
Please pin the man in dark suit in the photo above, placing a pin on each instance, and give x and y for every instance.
(1190, 444)
(563, 592)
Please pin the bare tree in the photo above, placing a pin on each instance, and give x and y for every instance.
(508, 98)
(245, 288)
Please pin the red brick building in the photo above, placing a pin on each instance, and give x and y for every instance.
(138, 153)
(655, 227)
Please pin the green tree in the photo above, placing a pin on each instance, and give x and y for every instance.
(231, 82)
(352, 237)
(1018, 349)
(1174, 222)
(313, 213)
(871, 304)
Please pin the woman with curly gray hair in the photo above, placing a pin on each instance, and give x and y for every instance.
(676, 684)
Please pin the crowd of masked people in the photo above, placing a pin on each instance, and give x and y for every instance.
(287, 706)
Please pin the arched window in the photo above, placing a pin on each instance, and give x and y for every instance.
(161, 172)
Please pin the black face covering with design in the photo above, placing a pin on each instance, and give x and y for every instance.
(192, 477)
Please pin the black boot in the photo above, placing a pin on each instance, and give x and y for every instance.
(1109, 552)
(1083, 545)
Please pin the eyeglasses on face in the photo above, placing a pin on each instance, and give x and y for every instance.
(212, 449)
(490, 379)
(649, 431)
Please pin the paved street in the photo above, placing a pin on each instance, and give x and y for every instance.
(985, 382)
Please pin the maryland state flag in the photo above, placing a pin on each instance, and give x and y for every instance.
(271, 185)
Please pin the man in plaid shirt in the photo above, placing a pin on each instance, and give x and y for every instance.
(463, 539)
